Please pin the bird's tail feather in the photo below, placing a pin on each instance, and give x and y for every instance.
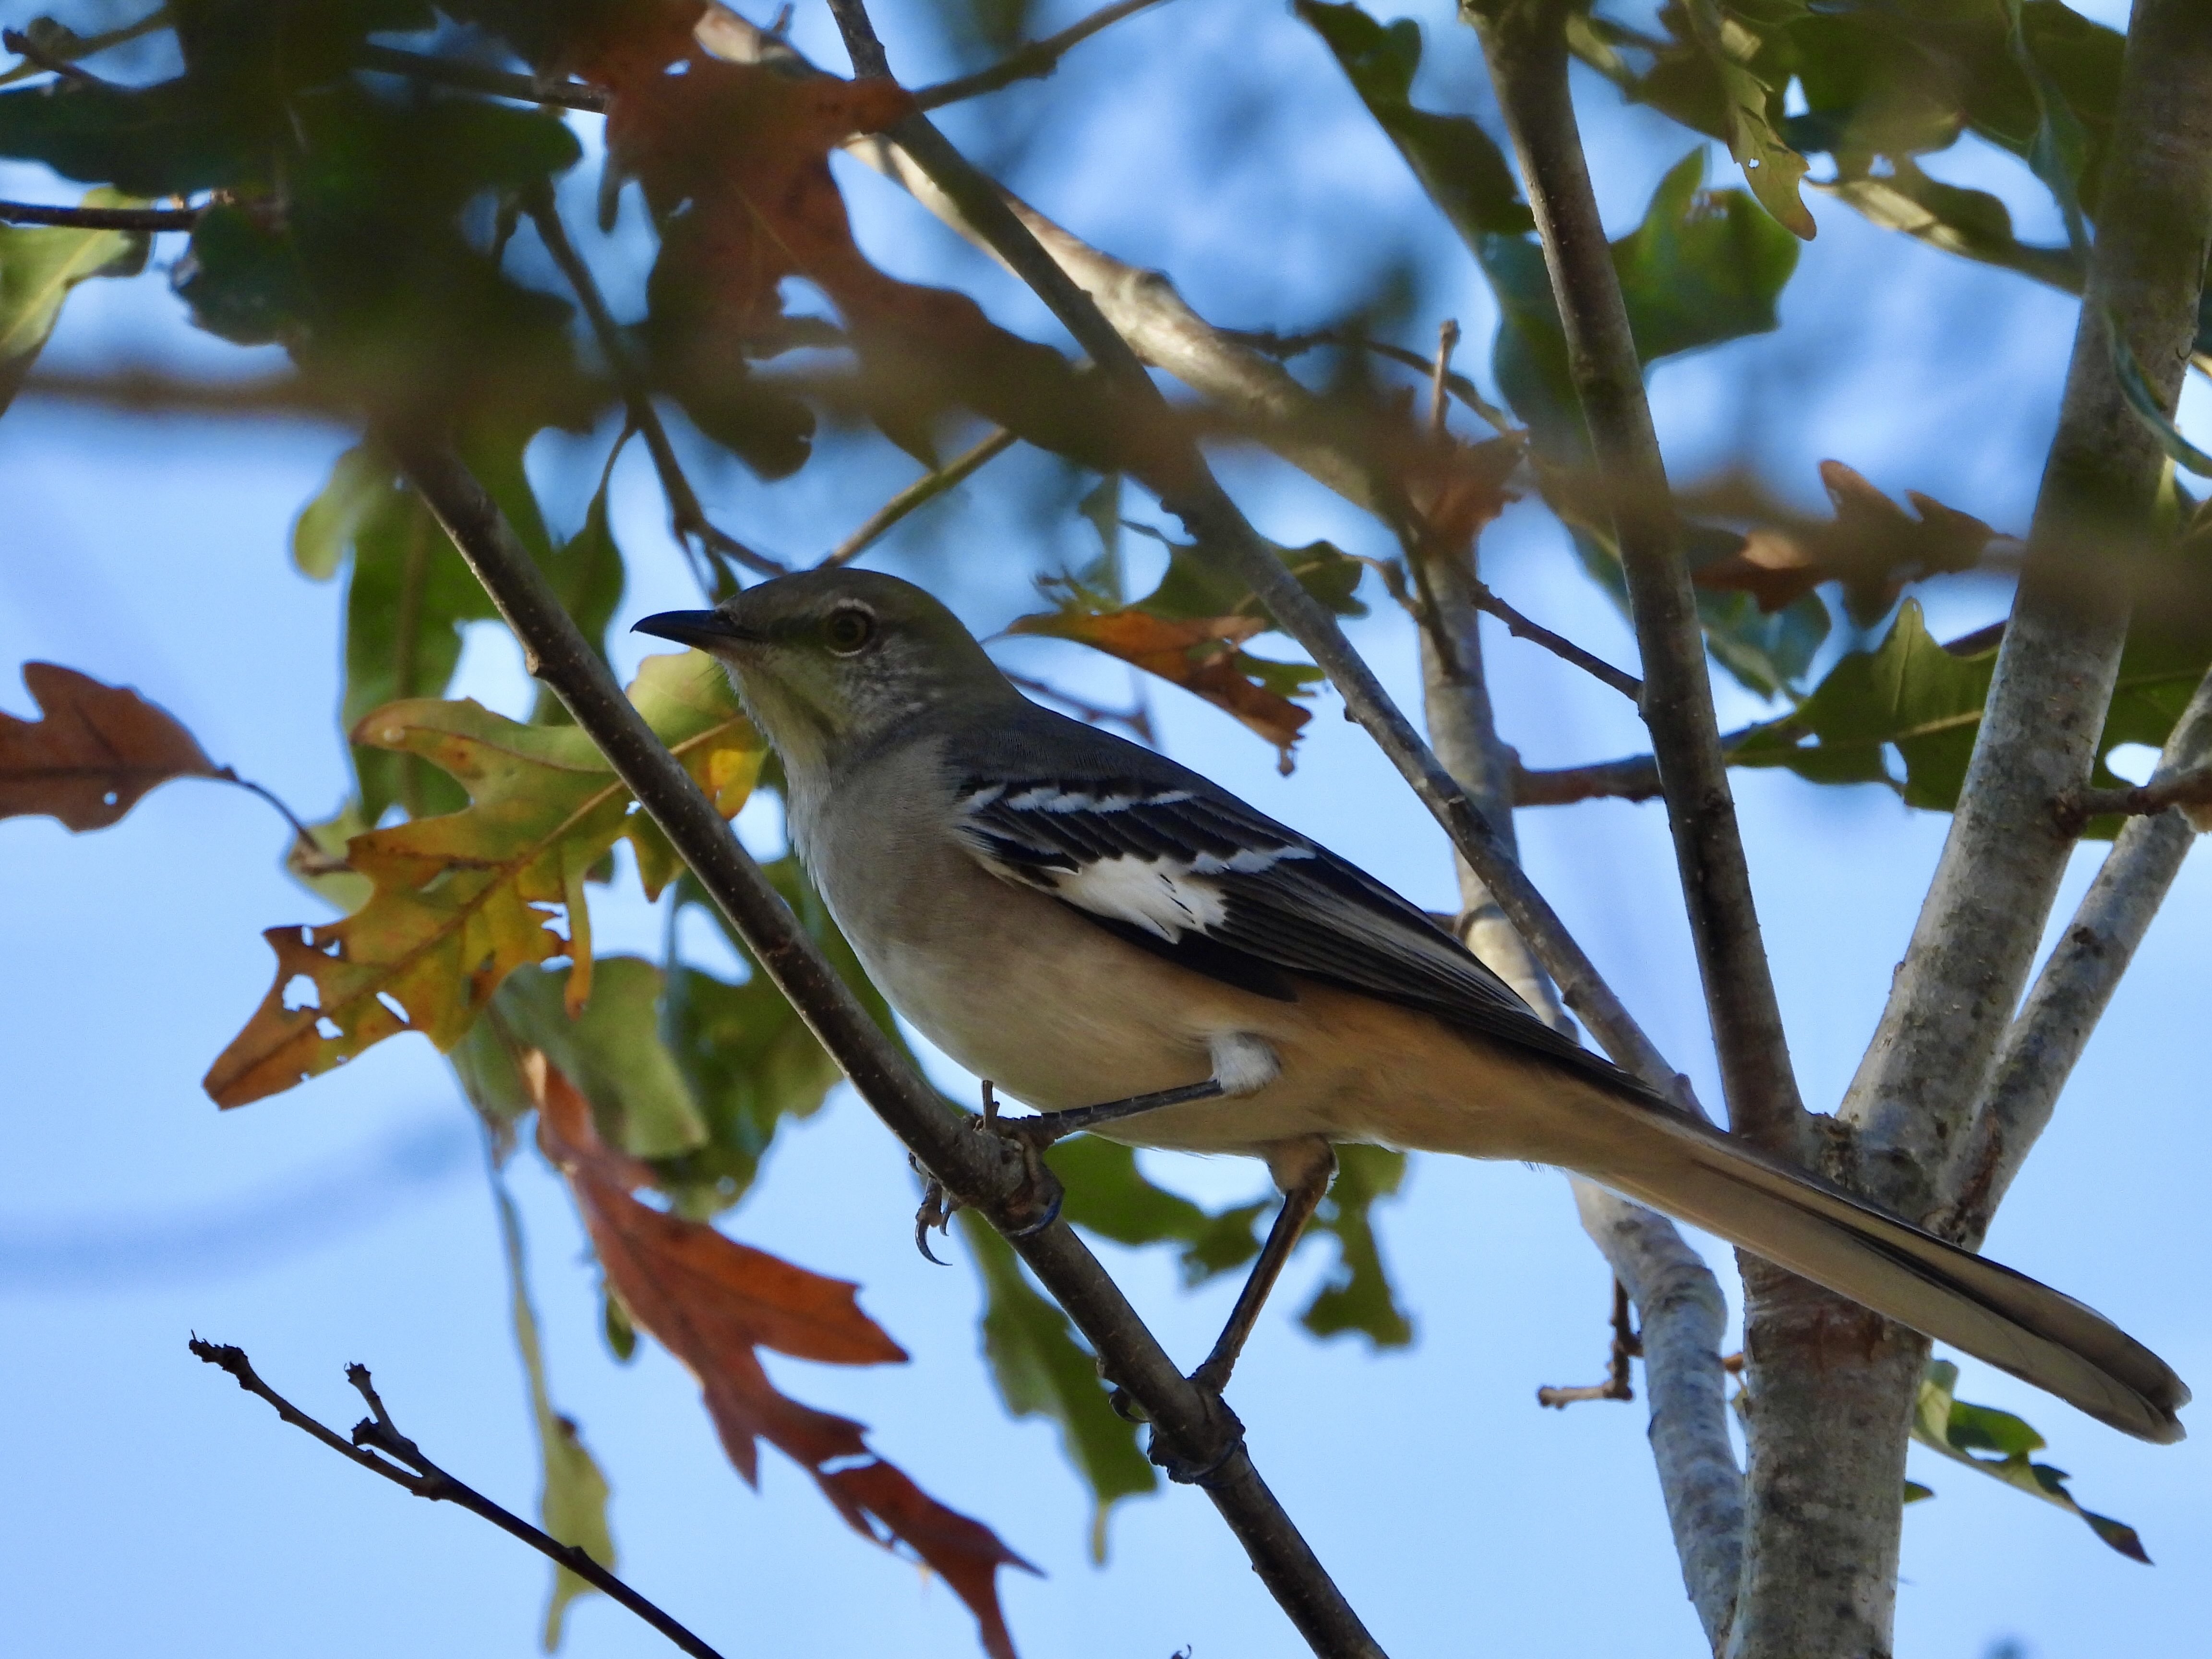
(1692, 1171)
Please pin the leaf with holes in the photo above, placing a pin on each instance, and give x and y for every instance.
(461, 901)
(97, 751)
(712, 1303)
(1968, 1434)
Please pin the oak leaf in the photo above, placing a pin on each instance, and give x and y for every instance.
(99, 749)
(460, 900)
(711, 1302)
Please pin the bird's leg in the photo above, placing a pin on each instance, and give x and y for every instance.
(1303, 1168)
(1243, 1064)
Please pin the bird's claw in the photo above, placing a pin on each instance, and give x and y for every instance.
(936, 1213)
(1221, 1420)
(1034, 1205)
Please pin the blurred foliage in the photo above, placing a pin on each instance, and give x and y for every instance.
(363, 217)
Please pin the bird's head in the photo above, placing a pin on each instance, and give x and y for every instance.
(831, 661)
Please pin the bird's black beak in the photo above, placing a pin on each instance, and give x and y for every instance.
(704, 629)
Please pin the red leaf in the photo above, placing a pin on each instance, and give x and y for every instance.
(965, 1554)
(99, 749)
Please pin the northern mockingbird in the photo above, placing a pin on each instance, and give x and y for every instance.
(1081, 921)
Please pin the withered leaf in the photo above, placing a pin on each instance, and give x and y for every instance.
(98, 750)
(461, 901)
(711, 1302)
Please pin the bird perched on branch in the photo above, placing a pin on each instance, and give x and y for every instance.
(1122, 945)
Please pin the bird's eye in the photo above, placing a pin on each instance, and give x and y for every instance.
(848, 629)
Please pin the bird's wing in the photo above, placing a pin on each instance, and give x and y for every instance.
(1172, 862)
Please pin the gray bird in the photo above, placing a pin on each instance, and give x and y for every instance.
(1082, 921)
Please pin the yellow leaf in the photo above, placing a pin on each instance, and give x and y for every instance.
(459, 902)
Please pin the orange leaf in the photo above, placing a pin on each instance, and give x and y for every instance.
(711, 1302)
(1200, 654)
(965, 1554)
(99, 749)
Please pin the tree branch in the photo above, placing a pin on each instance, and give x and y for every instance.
(983, 1170)
(479, 77)
(1072, 278)
(1680, 1300)
(2043, 1043)
(689, 518)
(1030, 62)
(1525, 43)
(86, 45)
(405, 1467)
(85, 218)
(2076, 807)
(919, 493)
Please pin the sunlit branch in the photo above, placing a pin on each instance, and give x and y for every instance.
(1030, 62)
(48, 60)
(1293, 345)
(404, 1465)
(99, 218)
(921, 492)
(687, 517)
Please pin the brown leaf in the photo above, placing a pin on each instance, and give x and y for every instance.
(965, 1554)
(1458, 488)
(1872, 545)
(99, 749)
(1200, 654)
(711, 1302)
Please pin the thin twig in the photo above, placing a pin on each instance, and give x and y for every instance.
(685, 514)
(1525, 44)
(89, 45)
(1030, 62)
(1139, 720)
(1171, 465)
(96, 218)
(921, 492)
(39, 58)
(1440, 377)
(1626, 1345)
(1486, 598)
(1292, 345)
(2077, 806)
(404, 1465)
(479, 77)
(984, 1172)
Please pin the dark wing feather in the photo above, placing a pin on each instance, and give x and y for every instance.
(1159, 856)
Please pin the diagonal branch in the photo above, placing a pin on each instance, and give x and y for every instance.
(1030, 62)
(2069, 995)
(1525, 42)
(1169, 463)
(690, 518)
(98, 218)
(920, 493)
(405, 1467)
(983, 1171)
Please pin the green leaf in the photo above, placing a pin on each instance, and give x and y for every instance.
(1042, 1369)
(166, 139)
(572, 1503)
(1915, 693)
(1754, 105)
(2059, 152)
(1107, 1195)
(1972, 223)
(1358, 1296)
(750, 1060)
(1458, 163)
(325, 531)
(1702, 267)
(613, 1051)
(39, 266)
(1945, 1424)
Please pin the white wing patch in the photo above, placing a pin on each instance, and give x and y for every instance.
(1163, 898)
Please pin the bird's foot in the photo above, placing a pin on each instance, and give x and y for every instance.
(1034, 1205)
(1222, 1434)
(1041, 1129)
(938, 1208)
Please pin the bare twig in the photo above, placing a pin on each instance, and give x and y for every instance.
(97, 218)
(405, 1466)
(2077, 806)
(1485, 597)
(1292, 345)
(478, 77)
(687, 517)
(984, 1172)
(1440, 376)
(919, 493)
(89, 45)
(1030, 62)
(1525, 43)
(1626, 1345)
(1170, 465)
(38, 58)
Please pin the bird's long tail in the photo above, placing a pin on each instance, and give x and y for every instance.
(1687, 1169)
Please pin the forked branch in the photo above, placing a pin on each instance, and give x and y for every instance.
(404, 1464)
